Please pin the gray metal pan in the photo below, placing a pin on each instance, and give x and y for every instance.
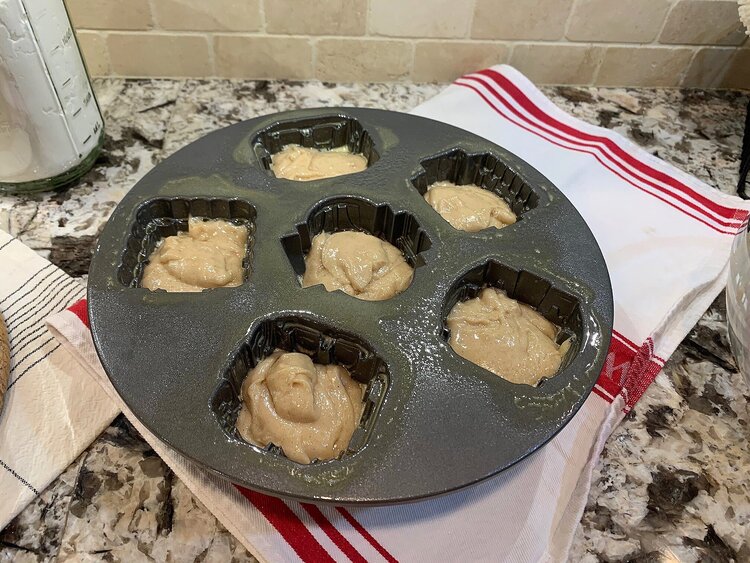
(433, 422)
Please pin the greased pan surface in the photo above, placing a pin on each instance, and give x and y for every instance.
(433, 422)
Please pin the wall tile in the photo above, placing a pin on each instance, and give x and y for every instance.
(701, 44)
(617, 21)
(420, 18)
(520, 19)
(152, 54)
(94, 49)
(322, 17)
(263, 57)
(738, 73)
(704, 22)
(213, 15)
(709, 67)
(643, 66)
(443, 61)
(368, 60)
(110, 14)
(557, 64)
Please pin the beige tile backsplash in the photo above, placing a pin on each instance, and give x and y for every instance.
(203, 15)
(520, 19)
(359, 60)
(602, 42)
(617, 21)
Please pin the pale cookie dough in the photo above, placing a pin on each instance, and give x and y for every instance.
(469, 207)
(303, 164)
(309, 410)
(4, 361)
(506, 337)
(357, 263)
(208, 255)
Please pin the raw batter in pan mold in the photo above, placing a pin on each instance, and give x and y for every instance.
(294, 162)
(309, 410)
(357, 263)
(506, 337)
(469, 207)
(209, 254)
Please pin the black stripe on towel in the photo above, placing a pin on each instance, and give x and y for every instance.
(30, 314)
(17, 476)
(24, 372)
(17, 344)
(42, 345)
(51, 286)
(61, 304)
(23, 285)
(7, 243)
(20, 345)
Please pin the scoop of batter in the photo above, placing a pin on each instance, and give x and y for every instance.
(304, 164)
(309, 410)
(469, 207)
(357, 263)
(208, 255)
(506, 337)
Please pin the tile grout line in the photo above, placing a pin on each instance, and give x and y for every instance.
(211, 40)
(263, 22)
(657, 38)
(154, 20)
(566, 28)
(314, 57)
(686, 70)
(411, 39)
(368, 10)
(599, 65)
(470, 25)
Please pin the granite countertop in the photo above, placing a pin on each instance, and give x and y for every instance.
(673, 482)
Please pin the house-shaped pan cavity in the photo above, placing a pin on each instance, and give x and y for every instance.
(402, 229)
(484, 170)
(160, 218)
(325, 345)
(555, 305)
(322, 133)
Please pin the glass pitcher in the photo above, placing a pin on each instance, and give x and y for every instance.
(51, 129)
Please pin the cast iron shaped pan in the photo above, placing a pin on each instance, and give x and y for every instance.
(433, 421)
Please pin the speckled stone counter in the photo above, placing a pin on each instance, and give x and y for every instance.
(673, 483)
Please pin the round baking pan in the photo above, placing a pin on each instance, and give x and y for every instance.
(433, 421)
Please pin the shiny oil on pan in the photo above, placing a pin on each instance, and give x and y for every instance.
(433, 421)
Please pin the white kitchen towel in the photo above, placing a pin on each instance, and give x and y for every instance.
(51, 413)
(666, 238)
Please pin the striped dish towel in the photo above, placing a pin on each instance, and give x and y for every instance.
(666, 238)
(51, 413)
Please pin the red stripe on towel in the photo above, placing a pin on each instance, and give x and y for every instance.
(644, 369)
(589, 152)
(365, 534)
(288, 524)
(80, 310)
(602, 394)
(617, 155)
(335, 536)
(628, 372)
(625, 340)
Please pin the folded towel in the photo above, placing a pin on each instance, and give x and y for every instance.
(51, 413)
(666, 238)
